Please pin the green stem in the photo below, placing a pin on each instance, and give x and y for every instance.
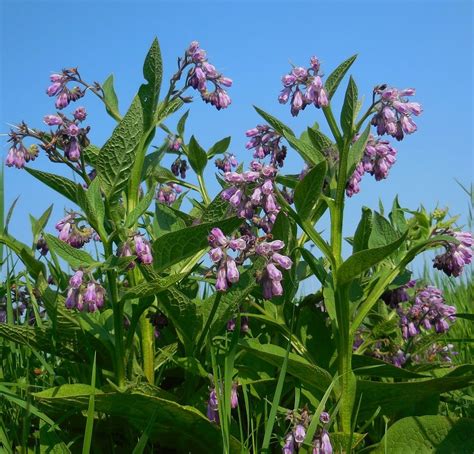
(146, 331)
(208, 321)
(118, 329)
(203, 190)
(332, 124)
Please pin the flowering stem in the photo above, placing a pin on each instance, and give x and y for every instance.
(209, 321)
(203, 190)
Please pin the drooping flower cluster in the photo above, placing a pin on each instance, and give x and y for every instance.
(179, 167)
(304, 86)
(398, 295)
(300, 422)
(174, 142)
(202, 73)
(271, 276)
(159, 321)
(138, 245)
(42, 247)
(456, 256)
(244, 324)
(213, 403)
(71, 233)
(18, 154)
(167, 193)
(21, 305)
(259, 184)
(428, 311)
(378, 158)
(59, 88)
(227, 271)
(265, 141)
(82, 295)
(227, 163)
(394, 112)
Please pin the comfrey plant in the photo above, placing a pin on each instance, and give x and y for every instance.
(151, 286)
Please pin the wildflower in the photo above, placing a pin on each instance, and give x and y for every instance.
(289, 446)
(202, 73)
(265, 141)
(326, 447)
(159, 321)
(394, 112)
(452, 262)
(69, 232)
(142, 249)
(234, 397)
(76, 279)
(303, 86)
(42, 247)
(299, 434)
(227, 163)
(167, 193)
(59, 88)
(213, 407)
(179, 167)
(80, 114)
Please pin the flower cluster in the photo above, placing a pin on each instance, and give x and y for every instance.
(295, 438)
(213, 403)
(84, 296)
(18, 154)
(71, 233)
(226, 163)
(304, 86)
(227, 271)
(167, 193)
(260, 182)
(139, 246)
(378, 158)
(179, 167)
(428, 311)
(398, 295)
(394, 112)
(174, 142)
(456, 256)
(22, 311)
(265, 141)
(59, 88)
(158, 321)
(202, 73)
(244, 324)
(271, 276)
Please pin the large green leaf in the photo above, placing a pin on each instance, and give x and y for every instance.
(181, 244)
(60, 184)
(152, 287)
(404, 398)
(362, 233)
(429, 434)
(334, 79)
(75, 257)
(349, 107)
(175, 426)
(361, 261)
(382, 232)
(309, 189)
(311, 375)
(319, 140)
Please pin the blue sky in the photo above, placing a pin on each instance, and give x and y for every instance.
(423, 44)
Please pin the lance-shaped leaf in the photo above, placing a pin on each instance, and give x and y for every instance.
(362, 233)
(309, 153)
(334, 79)
(182, 123)
(276, 124)
(319, 140)
(110, 98)
(309, 189)
(349, 108)
(197, 156)
(153, 287)
(142, 206)
(181, 244)
(60, 184)
(361, 261)
(75, 257)
(356, 151)
(219, 147)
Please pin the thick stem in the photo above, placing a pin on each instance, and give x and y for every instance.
(146, 332)
(203, 190)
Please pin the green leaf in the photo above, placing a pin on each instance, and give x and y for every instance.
(75, 257)
(361, 261)
(387, 395)
(110, 98)
(334, 79)
(60, 184)
(219, 147)
(319, 140)
(429, 434)
(142, 206)
(276, 124)
(176, 246)
(37, 225)
(182, 123)
(311, 375)
(91, 154)
(369, 366)
(309, 189)
(309, 153)
(363, 231)
(152, 287)
(138, 408)
(356, 151)
(349, 109)
(93, 205)
(382, 232)
(216, 210)
(197, 156)
(153, 71)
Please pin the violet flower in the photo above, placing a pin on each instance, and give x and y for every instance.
(452, 262)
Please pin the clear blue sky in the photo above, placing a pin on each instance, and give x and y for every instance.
(423, 44)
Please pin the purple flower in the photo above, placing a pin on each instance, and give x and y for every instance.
(227, 163)
(168, 193)
(289, 446)
(394, 112)
(304, 86)
(142, 249)
(324, 417)
(213, 407)
(452, 262)
(76, 279)
(53, 120)
(72, 150)
(234, 397)
(69, 232)
(80, 114)
(299, 434)
(326, 447)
